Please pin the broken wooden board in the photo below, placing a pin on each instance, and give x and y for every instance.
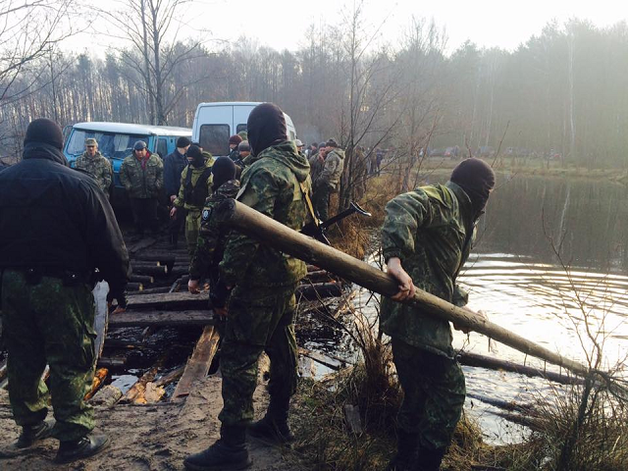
(199, 363)
(167, 301)
(161, 318)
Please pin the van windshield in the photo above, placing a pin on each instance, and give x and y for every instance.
(110, 144)
(214, 138)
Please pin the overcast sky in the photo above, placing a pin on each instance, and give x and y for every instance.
(281, 24)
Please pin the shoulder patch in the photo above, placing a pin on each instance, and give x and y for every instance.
(207, 213)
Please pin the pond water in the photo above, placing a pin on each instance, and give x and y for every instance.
(551, 259)
(549, 264)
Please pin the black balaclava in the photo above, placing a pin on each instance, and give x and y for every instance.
(44, 139)
(266, 126)
(477, 179)
(195, 152)
(223, 170)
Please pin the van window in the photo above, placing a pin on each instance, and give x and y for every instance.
(162, 147)
(112, 145)
(214, 138)
(240, 128)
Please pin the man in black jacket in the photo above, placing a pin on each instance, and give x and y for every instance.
(56, 229)
(173, 166)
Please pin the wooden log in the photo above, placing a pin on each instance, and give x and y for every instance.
(136, 394)
(238, 216)
(151, 270)
(171, 377)
(168, 301)
(161, 318)
(506, 405)
(318, 291)
(180, 270)
(140, 245)
(159, 289)
(474, 359)
(100, 375)
(134, 287)
(162, 257)
(117, 361)
(144, 279)
(199, 363)
(318, 276)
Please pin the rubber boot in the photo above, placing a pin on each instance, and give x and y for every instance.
(273, 428)
(81, 449)
(407, 450)
(228, 453)
(34, 433)
(429, 460)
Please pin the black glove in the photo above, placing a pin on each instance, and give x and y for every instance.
(219, 294)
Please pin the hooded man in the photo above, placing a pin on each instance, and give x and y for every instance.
(174, 164)
(426, 239)
(142, 175)
(328, 181)
(95, 164)
(196, 184)
(56, 228)
(260, 310)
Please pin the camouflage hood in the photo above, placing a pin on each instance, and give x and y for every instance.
(339, 152)
(289, 156)
(228, 189)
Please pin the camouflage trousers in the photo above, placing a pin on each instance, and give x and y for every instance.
(259, 321)
(434, 393)
(192, 226)
(320, 201)
(49, 323)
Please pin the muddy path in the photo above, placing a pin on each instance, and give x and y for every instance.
(151, 438)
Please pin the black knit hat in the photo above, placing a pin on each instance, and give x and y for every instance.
(194, 152)
(223, 170)
(477, 179)
(46, 131)
(183, 142)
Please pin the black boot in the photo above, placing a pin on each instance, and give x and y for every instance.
(33, 433)
(273, 428)
(429, 460)
(81, 449)
(407, 448)
(228, 453)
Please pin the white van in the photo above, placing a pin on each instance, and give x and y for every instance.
(215, 122)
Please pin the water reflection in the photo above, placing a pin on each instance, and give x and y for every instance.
(550, 262)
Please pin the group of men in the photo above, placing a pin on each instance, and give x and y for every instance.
(48, 263)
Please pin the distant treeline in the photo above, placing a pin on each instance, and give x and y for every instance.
(563, 93)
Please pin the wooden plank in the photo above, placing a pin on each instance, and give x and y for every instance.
(198, 364)
(161, 318)
(167, 301)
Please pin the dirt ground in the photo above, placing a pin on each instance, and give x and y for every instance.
(156, 437)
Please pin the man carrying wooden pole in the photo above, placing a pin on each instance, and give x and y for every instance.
(426, 239)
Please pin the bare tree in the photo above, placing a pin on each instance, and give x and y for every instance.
(155, 50)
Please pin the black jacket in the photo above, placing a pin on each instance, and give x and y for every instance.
(55, 218)
(173, 166)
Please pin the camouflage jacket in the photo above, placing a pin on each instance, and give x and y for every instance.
(316, 166)
(332, 171)
(211, 237)
(272, 186)
(98, 167)
(142, 182)
(431, 230)
(181, 200)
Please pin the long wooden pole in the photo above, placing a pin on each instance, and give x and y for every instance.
(248, 221)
